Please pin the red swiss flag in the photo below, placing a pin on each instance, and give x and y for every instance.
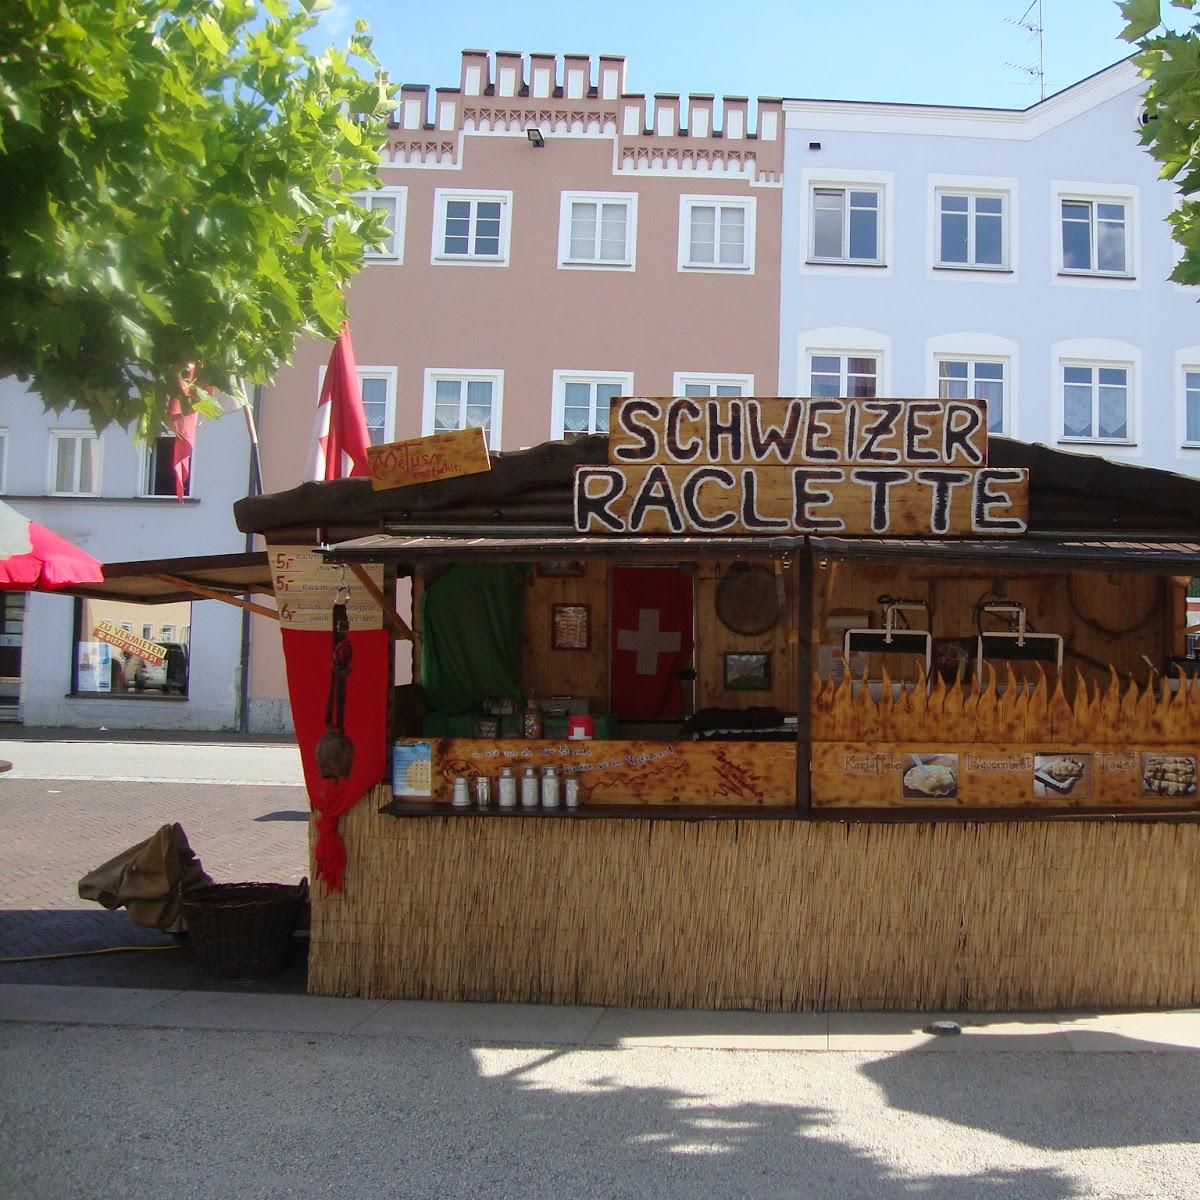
(651, 640)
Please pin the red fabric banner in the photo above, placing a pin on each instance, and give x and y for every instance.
(651, 640)
(307, 654)
(340, 436)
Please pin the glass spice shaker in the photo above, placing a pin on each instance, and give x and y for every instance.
(529, 788)
(550, 787)
(507, 788)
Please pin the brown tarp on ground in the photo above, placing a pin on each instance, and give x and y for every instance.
(150, 880)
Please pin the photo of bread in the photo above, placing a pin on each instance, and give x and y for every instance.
(1063, 775)
(1169, 775)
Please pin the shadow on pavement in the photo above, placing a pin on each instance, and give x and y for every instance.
(31, 933)
(1069, 1103)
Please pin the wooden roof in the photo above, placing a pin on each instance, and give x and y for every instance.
(531, 490)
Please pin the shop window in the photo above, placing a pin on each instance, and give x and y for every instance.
(110, 659)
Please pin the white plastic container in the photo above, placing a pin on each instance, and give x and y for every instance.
(529, 788)
(462, 793)
(507, 788)
(550, 787)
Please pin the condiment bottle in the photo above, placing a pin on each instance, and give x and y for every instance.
(507, 788)
(529, 788)
(462, 794)
(483, 791)
(571, 792)
(550, 782)
(531, 720)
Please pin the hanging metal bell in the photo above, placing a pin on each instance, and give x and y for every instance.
(335, 754)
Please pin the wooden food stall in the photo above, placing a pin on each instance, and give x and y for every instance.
(883, 713)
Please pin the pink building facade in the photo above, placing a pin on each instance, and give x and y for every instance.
(556, 242)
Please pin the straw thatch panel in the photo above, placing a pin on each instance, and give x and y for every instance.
(763, 914)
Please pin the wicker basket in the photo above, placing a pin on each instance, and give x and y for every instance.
(243, 930)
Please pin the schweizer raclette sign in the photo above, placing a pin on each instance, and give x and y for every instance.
(823, 465)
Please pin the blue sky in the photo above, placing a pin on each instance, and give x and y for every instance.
(922, 51)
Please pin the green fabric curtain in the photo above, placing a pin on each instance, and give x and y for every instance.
(471, 621)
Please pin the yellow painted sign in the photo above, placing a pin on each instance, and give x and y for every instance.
(425, 459)
(130, 643)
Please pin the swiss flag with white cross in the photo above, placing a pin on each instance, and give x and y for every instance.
(652, 640)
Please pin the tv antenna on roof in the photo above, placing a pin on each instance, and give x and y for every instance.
(1031, 21)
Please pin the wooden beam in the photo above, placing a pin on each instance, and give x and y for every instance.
(199, 589)
(393, 618)
(802, 576)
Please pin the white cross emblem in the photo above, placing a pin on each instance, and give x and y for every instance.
(647, 642)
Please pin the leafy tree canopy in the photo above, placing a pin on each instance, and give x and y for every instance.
(1170, 60)
(177, 190)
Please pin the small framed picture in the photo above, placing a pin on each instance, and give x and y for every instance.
(747, 671)
(570, 627)
(561, 569)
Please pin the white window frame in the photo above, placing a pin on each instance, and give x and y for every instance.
(975, 347)
(144, 488)
(844, 357)
(389, 375)
(558, 403)
(883, 182)
(60, 435)
(441, 197)
(846, 341)
(713, 379)
(972, 361)
(394, 257)
(1098, 353)
(629, 260)
(463, 375)
(973, 186)
(1187, 360)
(686, 203)
(1096, 193)
(4, 440)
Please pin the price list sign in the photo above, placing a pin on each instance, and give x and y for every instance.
(306, 587)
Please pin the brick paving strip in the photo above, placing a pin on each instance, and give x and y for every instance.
(52, 832)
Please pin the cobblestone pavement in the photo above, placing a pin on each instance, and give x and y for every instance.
(52, 832)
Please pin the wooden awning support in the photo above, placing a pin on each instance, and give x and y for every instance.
(199, 589)
(393, 618)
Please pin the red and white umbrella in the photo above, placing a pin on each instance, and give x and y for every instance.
(33, 558)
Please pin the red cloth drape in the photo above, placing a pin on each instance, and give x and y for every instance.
(307, 655)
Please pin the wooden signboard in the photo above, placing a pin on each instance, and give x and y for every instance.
(819, 465)
(610, 772)
(890, 775)
(424, 459)
(306, 587)
(780, 501)
(819, 431)
(130, 643)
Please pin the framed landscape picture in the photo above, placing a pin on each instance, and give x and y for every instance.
(747, 671)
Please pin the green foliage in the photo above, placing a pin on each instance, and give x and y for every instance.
(177, 189)
(1170, 60)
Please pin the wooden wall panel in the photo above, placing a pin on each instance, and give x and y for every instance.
(549, 672)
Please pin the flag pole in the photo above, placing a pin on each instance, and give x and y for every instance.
(256, 478)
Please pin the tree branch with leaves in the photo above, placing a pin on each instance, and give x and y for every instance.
(1170, 61)
(178, 190)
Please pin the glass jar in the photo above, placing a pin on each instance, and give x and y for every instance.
(550, 787)
(532, 723)
(507, 788)
(529, 788)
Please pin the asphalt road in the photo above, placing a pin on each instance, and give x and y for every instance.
(190, 1114)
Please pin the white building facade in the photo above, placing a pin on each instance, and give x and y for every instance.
(1018, 256)
(116, 499)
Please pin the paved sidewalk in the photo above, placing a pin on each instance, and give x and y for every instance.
(1135, 1031)
(52, 832)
